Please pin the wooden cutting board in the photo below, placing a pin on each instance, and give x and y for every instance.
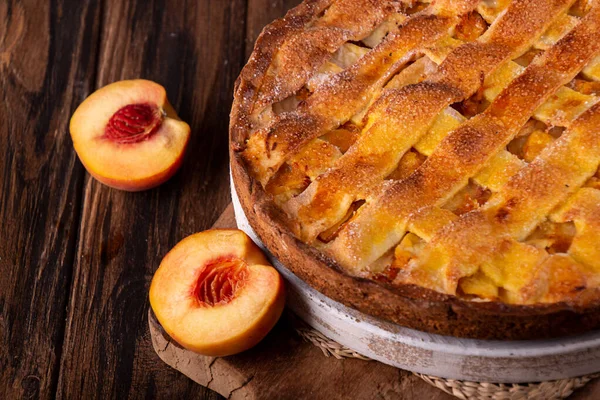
(284, 366)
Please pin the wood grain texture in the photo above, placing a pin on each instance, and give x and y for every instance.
(194, 49)
(47, 64)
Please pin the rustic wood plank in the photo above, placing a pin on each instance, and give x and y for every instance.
(195, 49)
(47, 66)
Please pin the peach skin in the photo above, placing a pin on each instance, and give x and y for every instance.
(216, 294)
(128, 136)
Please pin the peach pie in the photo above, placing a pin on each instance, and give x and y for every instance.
(434, 164)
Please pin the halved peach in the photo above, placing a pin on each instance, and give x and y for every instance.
(128, 136)
(216, 294)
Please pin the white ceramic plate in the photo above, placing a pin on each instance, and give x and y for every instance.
(443, 356)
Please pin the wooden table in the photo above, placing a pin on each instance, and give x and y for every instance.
(76, 257)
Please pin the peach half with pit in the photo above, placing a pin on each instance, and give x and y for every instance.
(216, 294)
(128, 136)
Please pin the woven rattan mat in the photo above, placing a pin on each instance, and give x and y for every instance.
(558, 389)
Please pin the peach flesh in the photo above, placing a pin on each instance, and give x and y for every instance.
(128, 136)
(216, 294)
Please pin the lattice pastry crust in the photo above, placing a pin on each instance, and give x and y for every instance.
(441, 157)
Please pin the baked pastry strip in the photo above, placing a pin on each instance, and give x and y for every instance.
(348, 92)
(269, 42)
(485, 243)
(401, 117)
(300, 55)
(381, 222)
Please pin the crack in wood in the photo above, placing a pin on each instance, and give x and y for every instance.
(240, 387)
(211, 372)
(166, 346)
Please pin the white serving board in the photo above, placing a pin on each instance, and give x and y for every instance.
(443, 356)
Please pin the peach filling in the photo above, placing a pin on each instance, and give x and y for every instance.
(134, 123)
(220, 281)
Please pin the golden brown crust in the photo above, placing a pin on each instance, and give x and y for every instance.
(407, 304)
